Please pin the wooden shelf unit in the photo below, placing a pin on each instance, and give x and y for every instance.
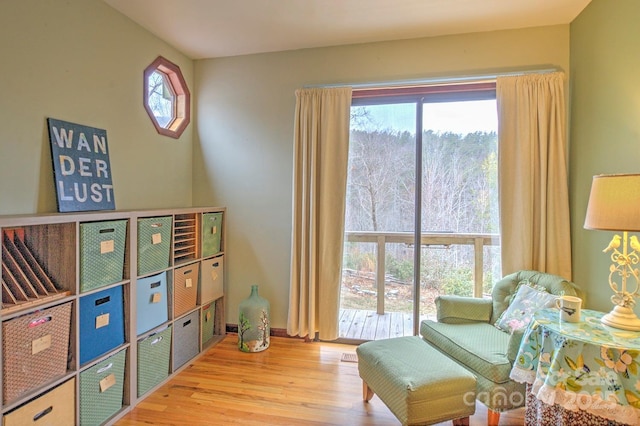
(41, 270)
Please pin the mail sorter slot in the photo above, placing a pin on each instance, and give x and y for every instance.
(185, 238)
(186, 339)
(101, 323)
(23, 276)
(34, 350)
(185, 288)
(153, 357)
(102, 249)
(102, 389)
(54, 408)
(151, 302)
(154, 244)
(207, 322)
(211, 234)
(212, 279)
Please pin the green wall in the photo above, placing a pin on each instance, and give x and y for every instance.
(82, 61)
(243, 147)
(605, 125)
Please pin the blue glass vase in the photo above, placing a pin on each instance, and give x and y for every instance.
(254, 328)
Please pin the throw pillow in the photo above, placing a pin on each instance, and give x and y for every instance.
(527, 283)
(527, 300)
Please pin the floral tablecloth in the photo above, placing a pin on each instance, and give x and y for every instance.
(581, 366)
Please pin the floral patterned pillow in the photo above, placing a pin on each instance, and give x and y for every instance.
(527, 300)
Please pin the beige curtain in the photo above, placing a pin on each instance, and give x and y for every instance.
(534, 204)
(320, 177)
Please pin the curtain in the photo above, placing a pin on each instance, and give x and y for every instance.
(532, 177)
(321, 140)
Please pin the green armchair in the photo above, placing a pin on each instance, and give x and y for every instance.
(466, 332)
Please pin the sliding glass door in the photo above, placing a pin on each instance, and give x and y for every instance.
(422, 173)
(377, 277)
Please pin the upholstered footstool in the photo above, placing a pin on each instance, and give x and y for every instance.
(419, 384)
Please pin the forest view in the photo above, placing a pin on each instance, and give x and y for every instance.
(459, 195)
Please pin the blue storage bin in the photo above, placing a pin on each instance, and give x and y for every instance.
(151, 302)
(101, 323)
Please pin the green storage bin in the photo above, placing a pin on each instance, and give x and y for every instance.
(102, 247)
(154, 244)
(207, 320)
(153, 360)
(101, 389)
(211, 233)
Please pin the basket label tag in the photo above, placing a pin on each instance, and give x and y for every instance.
(107, 382)
(214, 230)
(156, 238)
(40, 344)
(207, 317)
(188, 283)
(214, 275)
(107, 246)
(156, 297)
(102, 321)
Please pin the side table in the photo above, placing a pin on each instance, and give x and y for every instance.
(584, 368)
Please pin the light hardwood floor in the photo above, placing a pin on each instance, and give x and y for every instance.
(291, 383)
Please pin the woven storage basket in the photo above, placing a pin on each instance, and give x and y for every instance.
(212, 279)
(151, 302)
(207, 321)
(185, 288)
(154, 244)
(153, 360)
(211, 233)
(102, 247)
(54, 408)
(101, 389)
(34, 350)
(186, 339)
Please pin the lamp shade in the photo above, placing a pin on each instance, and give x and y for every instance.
(614, 203)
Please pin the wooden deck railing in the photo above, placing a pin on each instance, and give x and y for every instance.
(478, 241)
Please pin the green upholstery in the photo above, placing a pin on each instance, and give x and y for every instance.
(460, 310)
(418, 383)
(504, 289)
(465, 332)
(476, 344)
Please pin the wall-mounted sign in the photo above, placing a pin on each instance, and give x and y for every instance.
(81, 167)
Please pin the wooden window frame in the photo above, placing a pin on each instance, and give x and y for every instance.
(182, 106)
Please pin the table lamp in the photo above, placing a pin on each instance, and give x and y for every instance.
(614, 205)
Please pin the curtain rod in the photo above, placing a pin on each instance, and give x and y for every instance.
(434, 80)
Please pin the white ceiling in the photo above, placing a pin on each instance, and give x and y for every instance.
(215, 28)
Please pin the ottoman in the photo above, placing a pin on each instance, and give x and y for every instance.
(419, 384)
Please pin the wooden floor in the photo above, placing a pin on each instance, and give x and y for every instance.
(358, 324)
(291, 383)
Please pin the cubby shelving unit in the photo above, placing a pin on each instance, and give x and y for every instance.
(90, 299)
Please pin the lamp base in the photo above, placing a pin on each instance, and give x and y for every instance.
(623, 318)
